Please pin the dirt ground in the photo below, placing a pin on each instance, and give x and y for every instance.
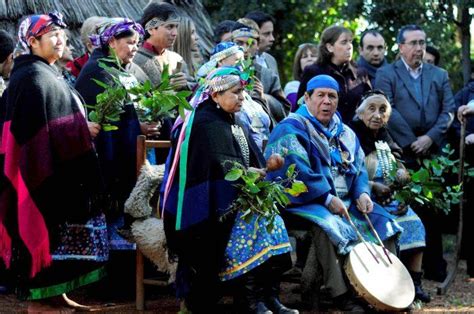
(460, 298)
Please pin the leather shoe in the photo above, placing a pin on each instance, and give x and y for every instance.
(275, 305)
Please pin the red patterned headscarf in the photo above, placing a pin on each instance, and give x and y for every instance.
(36, 26)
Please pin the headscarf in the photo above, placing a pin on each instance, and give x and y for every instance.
(219, 53)
(113, 28)
(35, 26)
(220, 79)
(216, 79)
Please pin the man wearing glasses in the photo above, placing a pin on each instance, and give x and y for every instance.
(420, 94)
(422, 111)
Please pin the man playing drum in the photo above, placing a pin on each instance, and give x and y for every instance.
(330, 162)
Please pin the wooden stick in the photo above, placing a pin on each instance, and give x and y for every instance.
(377, 236)
(443, 287)
(346, 213)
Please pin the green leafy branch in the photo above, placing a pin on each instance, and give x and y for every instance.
(109, 103)
(260, 197)
(248, 71)
(429, 186)
(158, 103)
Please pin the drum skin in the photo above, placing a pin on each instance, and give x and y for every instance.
(387, 287)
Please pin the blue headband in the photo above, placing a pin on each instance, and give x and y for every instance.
(322, 81)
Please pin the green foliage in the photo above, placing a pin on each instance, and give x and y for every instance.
(161, 102)
(260, 197)
(248, 71)
(109, 103)
(428, 185)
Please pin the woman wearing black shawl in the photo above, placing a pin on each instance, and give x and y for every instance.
(50, 174)
(118, 38)
(196, 197)
(381, 152)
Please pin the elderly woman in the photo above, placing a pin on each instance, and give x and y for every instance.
(306, 55)
(116, 149)
(197, 197)
(254, 115)
(51, 232)
(369, 124)
(335, 60)
(331, 164)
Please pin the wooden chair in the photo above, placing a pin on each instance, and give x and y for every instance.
(142, 145)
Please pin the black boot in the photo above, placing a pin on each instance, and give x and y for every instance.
(275, 305)
(420, 294)
(262, 309)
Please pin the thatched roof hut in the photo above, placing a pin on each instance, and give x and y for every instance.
(76, 11)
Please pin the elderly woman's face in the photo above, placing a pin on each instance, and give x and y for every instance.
(230, 100)
(375, 114)
(125, 48)
(322, 104)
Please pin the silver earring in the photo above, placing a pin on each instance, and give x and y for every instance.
(217, 105)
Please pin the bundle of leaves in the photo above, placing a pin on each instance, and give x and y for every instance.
(431, 185)
(260, 197)
(109, 103)
(248, 70)
(156, 104)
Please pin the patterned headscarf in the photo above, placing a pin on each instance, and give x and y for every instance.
(219, 53)
(224, 78)
(36, 26)
(113, 28)
(218, 80)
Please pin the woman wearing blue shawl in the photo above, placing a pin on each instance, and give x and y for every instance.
(211, 248)
(330, 162)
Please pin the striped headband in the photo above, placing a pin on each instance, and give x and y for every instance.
(157, 22)
(245, 32)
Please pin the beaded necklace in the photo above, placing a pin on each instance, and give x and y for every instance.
(239, 136)
(385, 159)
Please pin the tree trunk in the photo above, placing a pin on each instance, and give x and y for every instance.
(465, 22)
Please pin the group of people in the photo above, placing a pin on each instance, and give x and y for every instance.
(344, 126)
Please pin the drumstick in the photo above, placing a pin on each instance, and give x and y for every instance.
(377, 236)
(346, 213)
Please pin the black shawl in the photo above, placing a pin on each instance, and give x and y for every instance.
(50, 169)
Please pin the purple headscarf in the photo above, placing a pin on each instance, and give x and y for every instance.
(113, 28)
